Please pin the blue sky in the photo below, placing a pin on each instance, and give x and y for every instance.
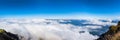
(60, 8)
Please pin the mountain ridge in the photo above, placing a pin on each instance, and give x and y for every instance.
(7, 35)
(112, 34)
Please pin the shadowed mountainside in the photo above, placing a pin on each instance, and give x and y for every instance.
(7, 35)
(112, 34)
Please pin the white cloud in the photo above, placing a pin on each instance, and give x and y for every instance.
(35, 29)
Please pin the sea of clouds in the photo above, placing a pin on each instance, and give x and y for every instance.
(49, 29)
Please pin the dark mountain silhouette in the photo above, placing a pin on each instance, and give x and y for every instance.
(7, 35)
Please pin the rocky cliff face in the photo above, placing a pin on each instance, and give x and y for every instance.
(112, 34)
(7, 35)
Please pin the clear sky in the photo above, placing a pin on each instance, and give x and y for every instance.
(60, 8)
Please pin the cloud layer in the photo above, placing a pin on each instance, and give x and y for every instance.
(53, 29)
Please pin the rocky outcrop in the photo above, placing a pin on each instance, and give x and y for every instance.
(7, 35)
(112, 34)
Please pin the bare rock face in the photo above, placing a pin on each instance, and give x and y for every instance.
(112, 34)
(7, 35)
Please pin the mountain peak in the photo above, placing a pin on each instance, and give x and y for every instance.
(2, 31)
